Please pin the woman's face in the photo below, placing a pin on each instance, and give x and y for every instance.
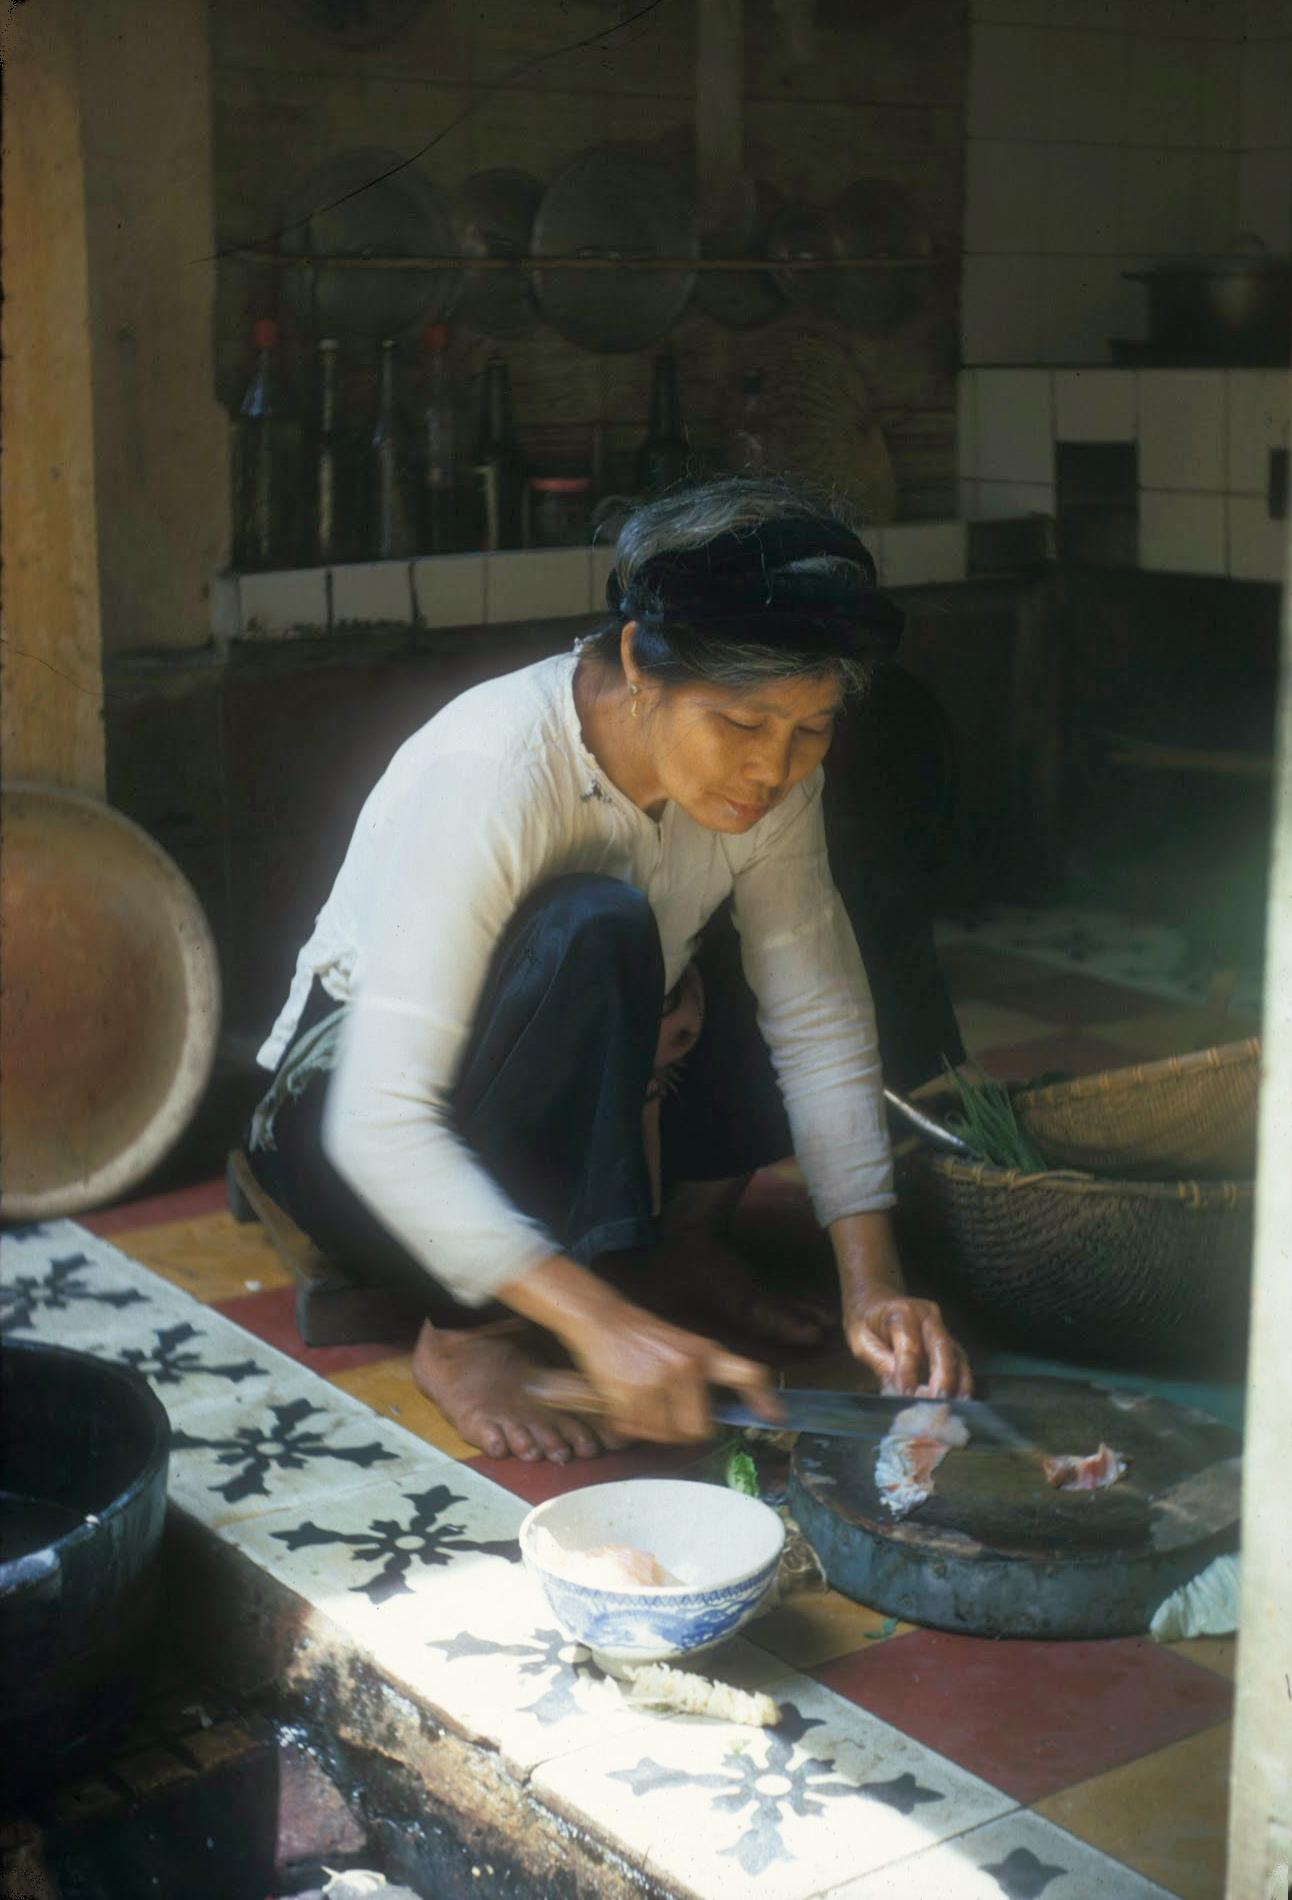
(729, 755)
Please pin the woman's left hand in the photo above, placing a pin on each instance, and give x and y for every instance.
(905, 1341)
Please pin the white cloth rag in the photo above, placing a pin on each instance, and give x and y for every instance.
(1205, 1606)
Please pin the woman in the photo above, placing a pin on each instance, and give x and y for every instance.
(526, 1066)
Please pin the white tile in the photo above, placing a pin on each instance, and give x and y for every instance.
(1164, 86)
(1000, 300)
(1258, 547)
(191, 1358)
(1182, 428)
(282, 1444)
(1003, 197)
(1265, 199)
(1215, 202)
(1259, 401)
(1182, 534)
(1082, 199)
(967, 424)
(1019, 1854)
(785, 1812)
(1218, 123)
(1094, 405)
(1088, 84)
(924, 553)
(64, 1287)
(372, 593)
(1157, 201)
(538, 584)
(1007, 501)
(1267, 93)
(1009, 69)
(449, 591)
(1015, 440)
(603, 565)
(1080, 308)
(279, 606)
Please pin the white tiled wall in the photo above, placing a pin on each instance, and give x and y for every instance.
(1102, 135)
(1204, 439)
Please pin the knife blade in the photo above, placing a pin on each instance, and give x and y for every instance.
(828, 1414)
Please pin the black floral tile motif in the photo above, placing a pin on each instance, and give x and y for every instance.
(25, 1296)
(545, 1653)
(176, 1357)
(398, 1546)
(740, 1785)
(1021, 1876)
(283, 1446)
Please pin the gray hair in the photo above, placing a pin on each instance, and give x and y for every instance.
(692, 516)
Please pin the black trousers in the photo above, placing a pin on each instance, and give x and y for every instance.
(551, 1089)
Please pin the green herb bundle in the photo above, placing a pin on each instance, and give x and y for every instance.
(988, 1123)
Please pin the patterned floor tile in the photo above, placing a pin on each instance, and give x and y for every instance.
(61, 1285)
(817, 1626)
(1033, 1717)
(209, 1256)
(386, 1386)
(271, 1316)
(1164, 1815)
(826, 1795)
(1021, 1857)
(283, 1444)
(1076, 1053)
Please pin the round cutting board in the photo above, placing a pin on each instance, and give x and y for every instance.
(997, 1551)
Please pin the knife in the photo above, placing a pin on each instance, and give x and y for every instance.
(827, 1414)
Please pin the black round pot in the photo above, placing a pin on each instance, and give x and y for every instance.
(82, 1507)
(1225, 310)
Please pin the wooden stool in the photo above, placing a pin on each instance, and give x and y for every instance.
(332, 1308)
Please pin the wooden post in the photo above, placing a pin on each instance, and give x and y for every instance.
(51, 674)
(1260, 1779)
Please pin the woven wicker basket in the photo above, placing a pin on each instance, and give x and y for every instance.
(1140, 1272)
(1190, 1116)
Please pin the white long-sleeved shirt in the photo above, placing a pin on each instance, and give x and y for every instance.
(493, 796)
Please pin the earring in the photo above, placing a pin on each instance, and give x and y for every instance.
(632, 694)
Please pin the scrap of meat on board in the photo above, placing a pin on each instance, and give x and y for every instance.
(915, 1444)
(1093, 1473)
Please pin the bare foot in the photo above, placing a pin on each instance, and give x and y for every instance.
(478, 1381)
(704, 1272)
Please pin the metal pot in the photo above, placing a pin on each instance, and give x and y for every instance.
(82, 1505)
(1223, 310)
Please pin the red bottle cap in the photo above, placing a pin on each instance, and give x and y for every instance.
(264, 333)
(437, 336)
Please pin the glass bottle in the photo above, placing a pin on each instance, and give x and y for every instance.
(499, 464)
(266, 464)
(664, 454)
(390, 536)
(438, 532)
(326, 535)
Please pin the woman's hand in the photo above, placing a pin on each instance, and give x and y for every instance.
(653, 1377)
(906, 1343)
(902, 1339)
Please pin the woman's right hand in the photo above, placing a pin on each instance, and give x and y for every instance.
(655, 1377)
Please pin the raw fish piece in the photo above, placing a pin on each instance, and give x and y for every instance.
(1093, 1473)
(606, 1566)
(915, 1444)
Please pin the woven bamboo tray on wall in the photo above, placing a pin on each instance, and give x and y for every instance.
(1188, 1116)
(1131, 1272)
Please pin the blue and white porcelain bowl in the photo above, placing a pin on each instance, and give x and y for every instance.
(724, 1546)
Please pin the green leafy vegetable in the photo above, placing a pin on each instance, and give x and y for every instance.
(741, 1473)
(988, 1123)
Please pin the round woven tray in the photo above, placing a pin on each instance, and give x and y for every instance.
(1140, 1272)
(1191, 1115)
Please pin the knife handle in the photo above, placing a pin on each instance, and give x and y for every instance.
(567, 1392)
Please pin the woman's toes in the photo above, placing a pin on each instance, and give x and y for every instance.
(551, 1443)
(520, 1442)
(491, 1440)
(583, 1439)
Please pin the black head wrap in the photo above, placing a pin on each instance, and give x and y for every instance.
(741, 587)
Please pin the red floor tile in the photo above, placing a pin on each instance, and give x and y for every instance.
(1075, 1000)
(994, 975)
(1029, 1717)
(1074, 1054)
(538, 1482)
(184, 1204)
(271, 1317)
